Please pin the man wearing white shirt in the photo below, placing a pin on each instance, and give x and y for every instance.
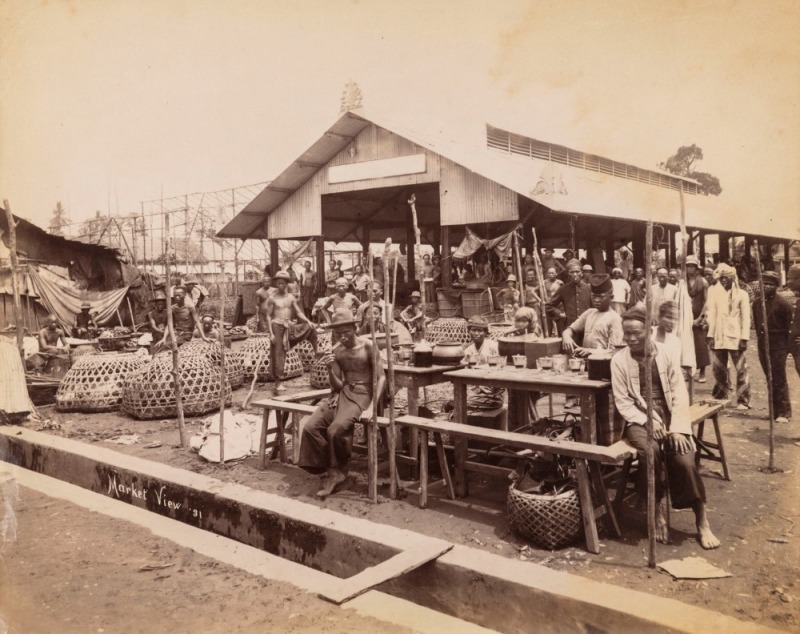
(621, 295)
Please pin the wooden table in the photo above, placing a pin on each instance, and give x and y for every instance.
(594, 395)
(413, 378)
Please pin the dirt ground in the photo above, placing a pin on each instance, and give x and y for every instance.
(754, 515)
(73, 570)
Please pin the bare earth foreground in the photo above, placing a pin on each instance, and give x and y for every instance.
(72, 564)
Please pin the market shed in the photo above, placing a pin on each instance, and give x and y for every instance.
(354, 183)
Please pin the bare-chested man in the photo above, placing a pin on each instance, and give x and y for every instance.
(263, 294)
(52, 341)
(327, 438)
(85, 325)
(184, 319)
(340, 299)
(206, 327)
(158, 316)
(282, 308)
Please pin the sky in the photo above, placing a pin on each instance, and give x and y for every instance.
(106, 103)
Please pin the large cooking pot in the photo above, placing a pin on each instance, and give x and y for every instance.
(448, 353)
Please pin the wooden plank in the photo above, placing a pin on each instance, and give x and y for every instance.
(402, 563)
(587, 507)
(487, 469)
(459, 443)
(423, 469)
(588, 419)
(262, 443)
(304, 396)
(443, 467)
(522, 378)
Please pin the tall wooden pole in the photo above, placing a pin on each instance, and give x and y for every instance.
(372, 430)
(540, 274)
(235, 252)
(12, 246)
(770, 385)
(388, 314)
(420, 273)
(176, 375)
(518, 267)
(648, 394)
(222, 385)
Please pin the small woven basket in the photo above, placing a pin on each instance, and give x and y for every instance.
(319, 373)
(448, 329)
(94, 382)
(252, 323)
(499, 330)
(549, 521)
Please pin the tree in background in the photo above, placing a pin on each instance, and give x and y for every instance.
(59, 220)
(683, 162)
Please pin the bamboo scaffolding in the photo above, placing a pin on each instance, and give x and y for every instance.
(648, 394)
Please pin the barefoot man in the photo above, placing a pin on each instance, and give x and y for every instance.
(327, 439)
(672, 429)
(281, 309)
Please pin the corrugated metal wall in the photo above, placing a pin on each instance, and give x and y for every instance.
(466, 198)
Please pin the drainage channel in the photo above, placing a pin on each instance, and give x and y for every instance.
(343, 557)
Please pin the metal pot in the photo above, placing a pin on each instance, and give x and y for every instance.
(448, 353)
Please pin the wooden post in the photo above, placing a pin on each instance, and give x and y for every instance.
(639, 257)
(540, 274)
(412, 248)
(648, 394)
(372, 429)
(222, 385)
(176, 375)
(702, 249)
(770, 384)
(12, 247)
(387, 315)
(320, 257)
(446, 258)
(724, 246)
(573, 240)
(684, 237)
(518, 267)
(421, 274)
(274, 256)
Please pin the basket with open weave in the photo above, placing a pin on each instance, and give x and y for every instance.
(256, 358)
(448, 329)
(549, 521)
(319, 373)
(500, 329)
(149, 392)
(94, 382)
(234, 363)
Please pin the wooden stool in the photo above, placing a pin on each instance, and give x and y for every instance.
(714, 451)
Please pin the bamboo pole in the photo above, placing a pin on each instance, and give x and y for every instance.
(648, 393)
(540, 274)
(176, 375)
(388, 313)
(372, 433)
(221, 391)
(770, 385)
(12, 246)
(420, 274)
(518, 267)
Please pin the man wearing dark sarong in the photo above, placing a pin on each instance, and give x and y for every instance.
(697, 288)
(672, 429)
(327, 439)
(282, 308)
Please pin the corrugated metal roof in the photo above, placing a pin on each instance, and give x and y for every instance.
(559, 187)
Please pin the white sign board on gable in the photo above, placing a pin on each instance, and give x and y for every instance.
(382, 168)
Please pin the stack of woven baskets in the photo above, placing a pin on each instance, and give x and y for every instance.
(448, 329)
(94, 383)
(149, 392)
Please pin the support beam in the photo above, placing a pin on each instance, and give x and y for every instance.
(690, 249)
(672, 254)
(638, 240)
(274, 258)
(411, 261)
(724, 246)
(447, 278)
(702, 238)
(320, 257)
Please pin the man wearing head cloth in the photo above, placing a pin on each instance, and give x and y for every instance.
(728, 315)
(570, 300)
(481, 397)
(621, 296)
(794, 333)
(638, 287)
(662, 291)
(672, 426)
(599, 327)
(776, 331)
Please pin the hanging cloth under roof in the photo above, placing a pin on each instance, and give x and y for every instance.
(472, 243)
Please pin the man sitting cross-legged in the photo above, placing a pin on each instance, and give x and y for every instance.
(672, 428)
(327, 439)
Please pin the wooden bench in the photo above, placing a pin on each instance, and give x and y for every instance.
(588, 459)
(714, 451)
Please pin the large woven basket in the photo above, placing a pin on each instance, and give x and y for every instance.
(252, 323)
(319, 373)
(256, 358)
(448, 329)
(306, 352)
(149, 392)
(234, 364)
(94, 382)
(498, 330)
(86, 348)
(324, 341)
(549, 521)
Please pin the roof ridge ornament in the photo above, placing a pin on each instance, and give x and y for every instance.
(351, 97)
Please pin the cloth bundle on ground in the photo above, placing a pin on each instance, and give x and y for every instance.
(242, 432)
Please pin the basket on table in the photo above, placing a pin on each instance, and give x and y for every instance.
(499, 329)
(549, 521)
(319, 372)
(94, 383)
(448, 329)
(234, 363)
(149, 392)
(112, 344)
(255, 354)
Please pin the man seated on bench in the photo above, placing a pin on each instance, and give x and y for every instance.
(672, 428)
(327, 439)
